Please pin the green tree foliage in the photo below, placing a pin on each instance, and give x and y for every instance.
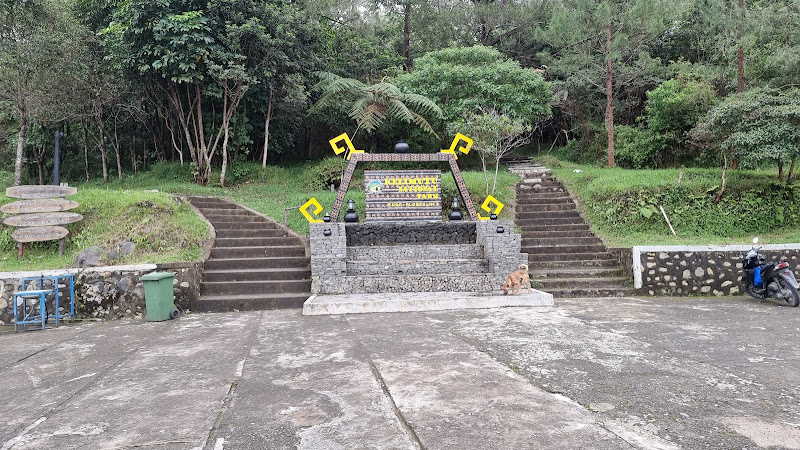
(40, 47)
(673, 109)
(494, 135)
(606, 45)
(470, 80)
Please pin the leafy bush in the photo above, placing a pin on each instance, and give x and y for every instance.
(321, 175)
(640, 148)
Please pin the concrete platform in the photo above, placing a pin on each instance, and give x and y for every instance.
(317, 305)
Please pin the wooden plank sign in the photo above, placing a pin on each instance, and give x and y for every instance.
(40, 191)
(399, 195)
(42, 219)
(35, 234)
(39, 206)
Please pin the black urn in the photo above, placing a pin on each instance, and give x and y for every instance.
(401, 147)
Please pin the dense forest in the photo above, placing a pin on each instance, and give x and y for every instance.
(212, 84)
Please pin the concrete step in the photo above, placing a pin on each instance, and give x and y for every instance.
(594, 292)
(257, 252)
(543, 208)
(244, 225)
(254, 287)
(563, 249)
(539, 183)
(256, 263)
(217, 217)
(215, 205)
(567, 213)
(533, 228)
(416, 301)
(568, 257)
(559, 241)
(255, 241)
(249, 233)
(572, 271)
(223, 303)
(532, 189)
(555, 234)
(571, 220)
(269, 274)
(547, 284)
(543, 199)
(416, 267)
(537, 264)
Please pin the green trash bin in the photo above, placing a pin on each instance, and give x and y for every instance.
(158, 298)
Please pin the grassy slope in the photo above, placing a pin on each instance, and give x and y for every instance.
(593, 185)
(166, 230)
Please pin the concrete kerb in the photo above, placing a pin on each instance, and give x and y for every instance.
(420, 302)
(208, 244)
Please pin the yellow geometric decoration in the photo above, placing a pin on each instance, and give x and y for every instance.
(317, 210)
(485, 207)
(348, 145)
(463, 149)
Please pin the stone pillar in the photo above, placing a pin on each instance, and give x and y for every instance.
(328, 254)
(501, 250)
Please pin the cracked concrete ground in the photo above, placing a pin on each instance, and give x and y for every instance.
(587, 373)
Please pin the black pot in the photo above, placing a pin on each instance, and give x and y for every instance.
(401, 147)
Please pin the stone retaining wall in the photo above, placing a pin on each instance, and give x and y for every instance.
(109, 292)
(391, 233)
(341, 264)
(699, 270)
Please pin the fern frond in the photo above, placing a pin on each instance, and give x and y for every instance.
(374, 115)
(422, 123)
(423, 105)
(399, 110)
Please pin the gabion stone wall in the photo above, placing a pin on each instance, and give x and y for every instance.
(109, 292)
(428, 257)
(697, 270)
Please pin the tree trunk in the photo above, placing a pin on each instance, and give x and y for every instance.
(724, 176)
(224, 157)
(23, 131)
(133, 157)
(780, 171)
(791, 171)
(117, 151)
(103, 148)
(40, 163)
(266, 129)
(406, 40)
(85, 152)
(740, 53)
(609, 98)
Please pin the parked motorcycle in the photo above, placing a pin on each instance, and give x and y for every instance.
(769, 280)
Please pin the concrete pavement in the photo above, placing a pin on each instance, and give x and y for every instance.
(586, 373)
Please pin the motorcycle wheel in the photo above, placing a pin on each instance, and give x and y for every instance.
(751, 291)
(794, 297)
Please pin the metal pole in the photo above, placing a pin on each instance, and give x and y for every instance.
(57, 160)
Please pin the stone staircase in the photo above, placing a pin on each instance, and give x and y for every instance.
(565, 258)
(252, 266)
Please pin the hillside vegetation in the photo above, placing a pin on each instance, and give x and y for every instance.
(624, 205)
(166, 229)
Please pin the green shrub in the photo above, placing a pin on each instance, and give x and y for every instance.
(640, 148)
(321, 175)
